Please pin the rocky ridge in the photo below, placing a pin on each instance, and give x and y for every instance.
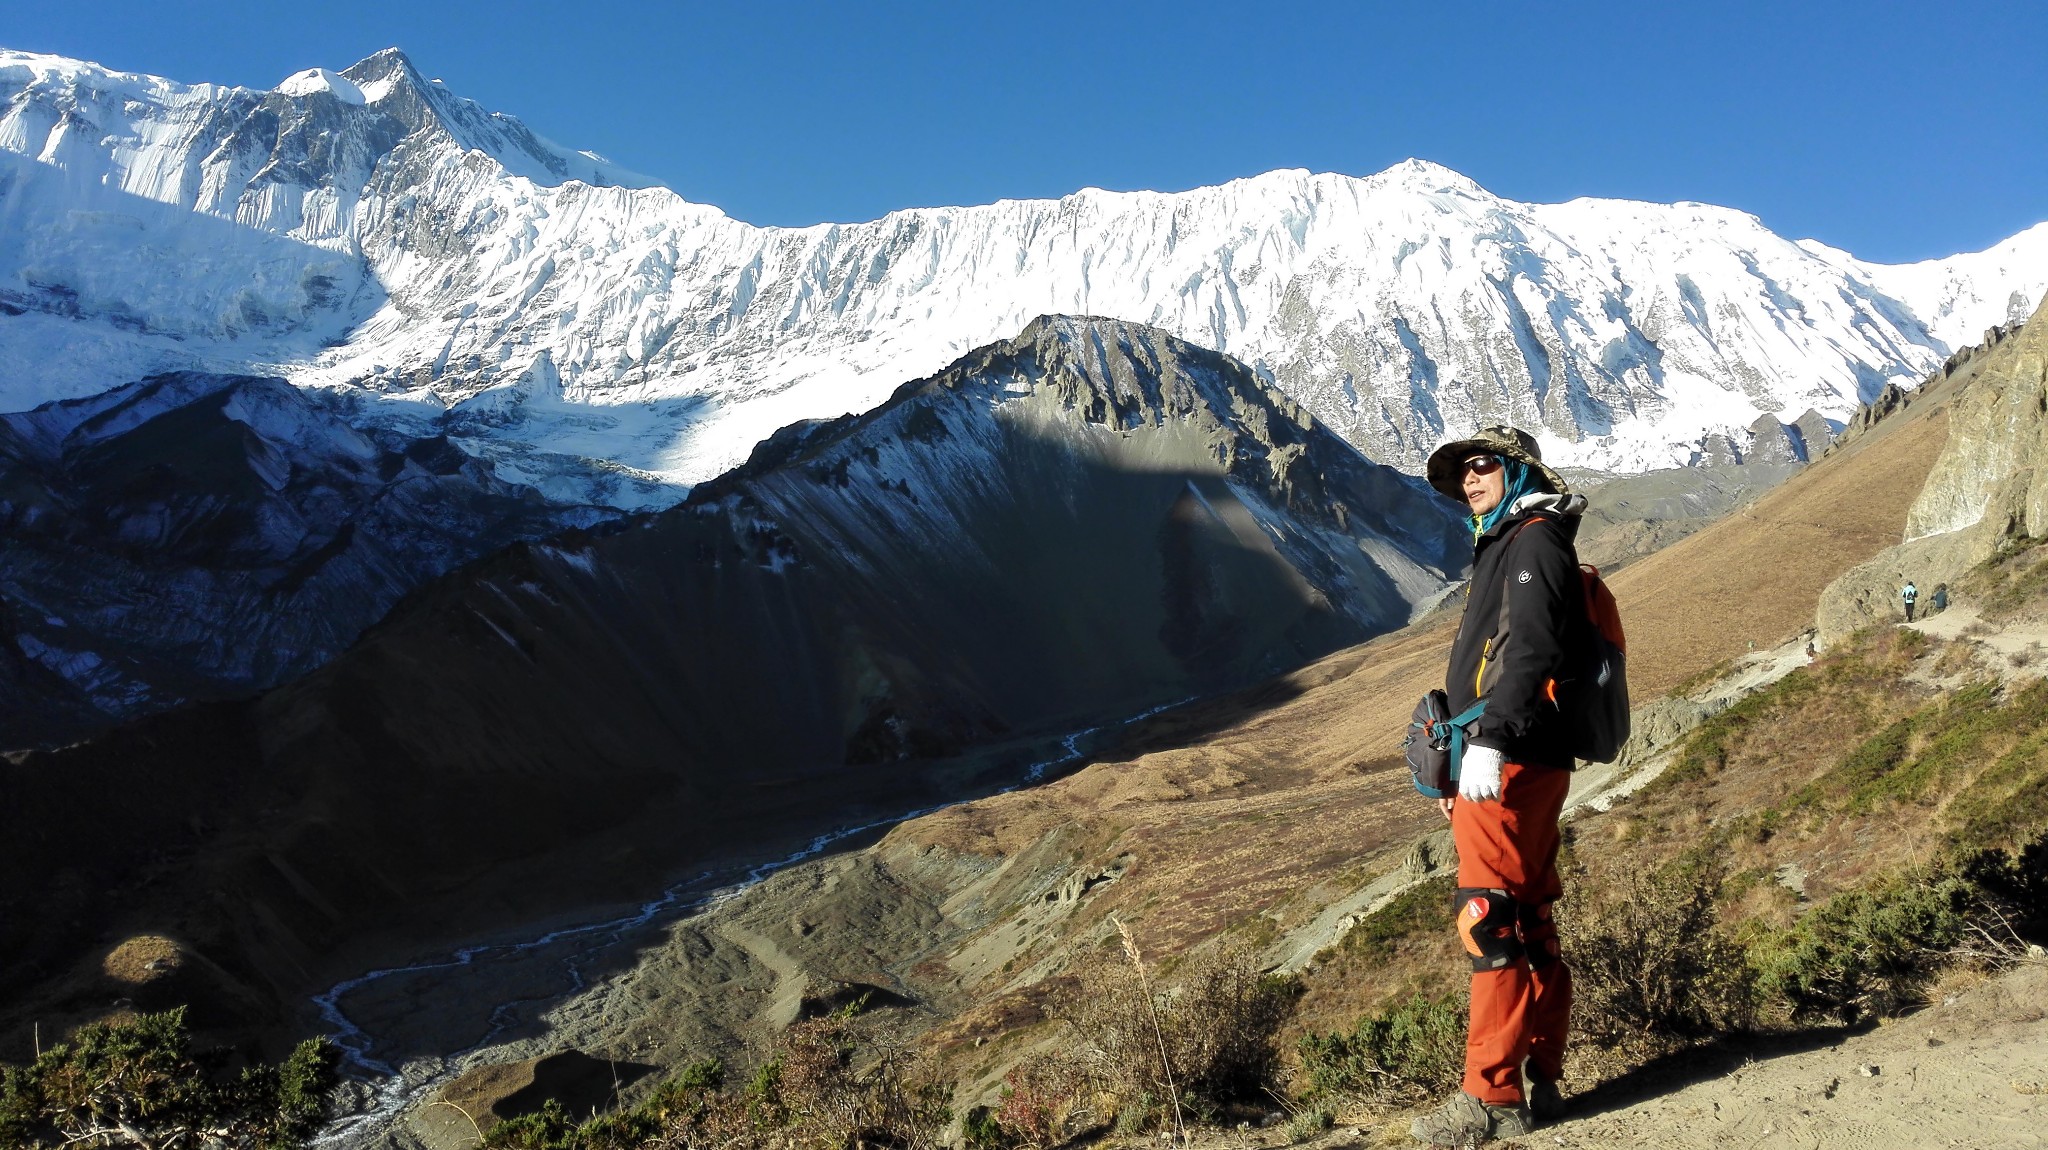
(1989, 488)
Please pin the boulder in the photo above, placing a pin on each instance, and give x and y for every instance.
(1773, 442)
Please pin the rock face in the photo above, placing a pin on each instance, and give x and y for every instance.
(1774, 442)
(204, 537)
(373, 230)
(1989, 484)
(1996, 461)
(1816, 433)
(1076, 525)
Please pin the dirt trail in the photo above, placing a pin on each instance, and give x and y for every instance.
(2011, 650)
(1971, 1072)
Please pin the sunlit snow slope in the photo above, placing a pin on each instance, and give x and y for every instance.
(605, 339)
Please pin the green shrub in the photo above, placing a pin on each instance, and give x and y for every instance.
(1866, 953)
(1651, 964)
(138, 1083)
(982, 1130)
(1424, 908)
(549, 1128)
(1309, 1122)
(1411, 1051)
(2013, 887)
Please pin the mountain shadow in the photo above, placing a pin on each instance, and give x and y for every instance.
(196, 536)
(1076, 525)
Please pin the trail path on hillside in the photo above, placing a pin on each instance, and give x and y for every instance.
(1970, 1072)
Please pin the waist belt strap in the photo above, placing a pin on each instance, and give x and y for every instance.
(1458, 723)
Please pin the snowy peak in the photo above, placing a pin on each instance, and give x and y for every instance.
(389, 81)
(422, 249)
(317, 80)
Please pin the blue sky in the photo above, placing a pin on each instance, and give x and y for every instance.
(1898, 131)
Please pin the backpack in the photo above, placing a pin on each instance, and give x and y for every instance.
(1592, 697)
(1594, 701)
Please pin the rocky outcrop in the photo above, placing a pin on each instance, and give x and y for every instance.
(1774, 442)
(1816, 434)
(1887, 403)
(1998, 439)
(1989, 484)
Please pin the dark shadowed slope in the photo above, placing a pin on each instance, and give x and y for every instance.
(196, 536)
(1072, 526)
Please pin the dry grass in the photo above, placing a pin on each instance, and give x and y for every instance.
(1270, 803)
(143, 959)
(1754, 577)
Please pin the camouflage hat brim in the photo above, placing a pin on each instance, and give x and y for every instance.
(1446, 471)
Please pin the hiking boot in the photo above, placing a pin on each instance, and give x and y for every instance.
(1466, 1121)
(1546, 1101)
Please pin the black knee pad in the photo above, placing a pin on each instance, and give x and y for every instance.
(1538, 931)
(1486, 925)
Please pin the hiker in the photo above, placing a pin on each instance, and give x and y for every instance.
(1910, 594)
(1939, 602)
(1512, 780)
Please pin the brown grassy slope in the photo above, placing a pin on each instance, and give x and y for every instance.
(1281, 799)
(1755, 576)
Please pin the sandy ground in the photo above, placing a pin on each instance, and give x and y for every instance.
(1970, 1072)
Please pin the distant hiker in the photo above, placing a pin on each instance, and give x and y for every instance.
(1512, 779)
(1940, 600)
(1910, 594)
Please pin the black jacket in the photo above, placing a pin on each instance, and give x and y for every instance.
(1537, 569)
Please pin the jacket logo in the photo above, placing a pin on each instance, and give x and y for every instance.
(1522, 578)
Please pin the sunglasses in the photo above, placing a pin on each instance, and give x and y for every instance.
(1483, 464)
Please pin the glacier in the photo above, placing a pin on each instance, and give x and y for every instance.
(603, 339)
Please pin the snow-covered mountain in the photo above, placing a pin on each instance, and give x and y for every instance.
(606, 339)
(198, 537)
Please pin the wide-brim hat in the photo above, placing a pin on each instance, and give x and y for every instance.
(1446, 470)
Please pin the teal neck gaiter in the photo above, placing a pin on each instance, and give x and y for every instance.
(1519, 483)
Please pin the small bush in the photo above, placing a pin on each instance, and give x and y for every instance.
(826, 1100)
(1424, 908)
(1651, 965)
(1866, 953)
(1309, 1122)
(549, 1128)
(1409, 1052)
(1040, 1099)
(818, 1092)
(982, 1130)
(1215, 1019)
(2012, 888)
(138, 1083)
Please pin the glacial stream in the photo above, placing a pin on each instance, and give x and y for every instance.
(552, 966)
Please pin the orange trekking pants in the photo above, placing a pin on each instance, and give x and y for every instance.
(1522, 1007)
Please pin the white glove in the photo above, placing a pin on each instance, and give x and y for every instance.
(1479, 774)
